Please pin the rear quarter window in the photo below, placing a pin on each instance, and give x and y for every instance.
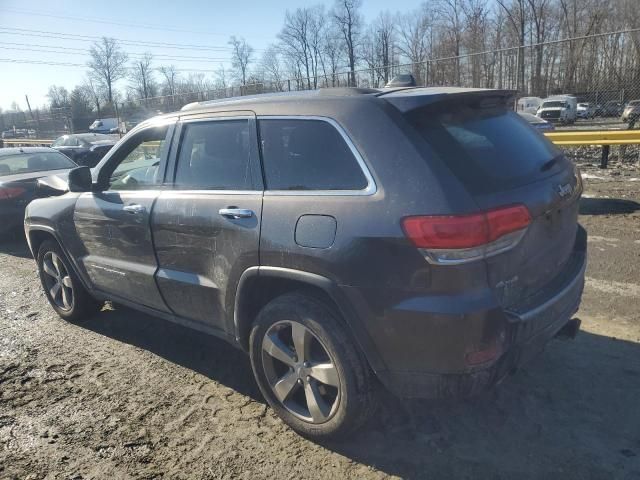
(308, 154)
(485, 148)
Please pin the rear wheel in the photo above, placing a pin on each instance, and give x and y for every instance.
(309, 370)
(63, 289)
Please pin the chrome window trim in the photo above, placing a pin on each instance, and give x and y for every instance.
(371, 187)
(175, 191)
(186, 119)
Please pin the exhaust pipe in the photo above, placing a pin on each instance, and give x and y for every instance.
(570, 329)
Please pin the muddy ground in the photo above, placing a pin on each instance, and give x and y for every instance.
(123, 395)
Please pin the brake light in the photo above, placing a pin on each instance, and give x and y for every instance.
(7, 193)
(463, 238)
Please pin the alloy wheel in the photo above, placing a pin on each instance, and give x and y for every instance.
(300, 371)
(57, 281)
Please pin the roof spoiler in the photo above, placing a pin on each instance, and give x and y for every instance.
(410, 99)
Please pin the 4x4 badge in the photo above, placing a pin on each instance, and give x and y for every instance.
(565, 190)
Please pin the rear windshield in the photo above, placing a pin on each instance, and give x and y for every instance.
(488, 149)
(33, 162)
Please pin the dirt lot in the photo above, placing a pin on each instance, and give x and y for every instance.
(124, 395)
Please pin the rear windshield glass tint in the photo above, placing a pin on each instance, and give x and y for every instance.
(33, 162)
(486, 148)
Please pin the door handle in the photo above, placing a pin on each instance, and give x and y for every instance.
(235, 212)
(134, 209)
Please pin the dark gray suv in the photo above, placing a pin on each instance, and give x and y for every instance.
(425, 239)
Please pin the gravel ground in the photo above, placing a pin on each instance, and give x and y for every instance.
(124, 395)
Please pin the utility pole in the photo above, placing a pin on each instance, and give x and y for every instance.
(37, 119)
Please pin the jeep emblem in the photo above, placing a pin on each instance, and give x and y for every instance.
(565, 190)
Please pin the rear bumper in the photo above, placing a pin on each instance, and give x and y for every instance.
(523, 335)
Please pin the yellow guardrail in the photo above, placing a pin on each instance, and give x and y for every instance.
(599, 137)
(24, 142)
(604, 138)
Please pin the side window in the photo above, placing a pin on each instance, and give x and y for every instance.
(71, 142)
(139, 164)
(215, 155)
(308, 154)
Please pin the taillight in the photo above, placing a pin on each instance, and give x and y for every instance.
(464, 238)
(7, 193)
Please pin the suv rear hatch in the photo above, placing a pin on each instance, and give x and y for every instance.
(503, 162)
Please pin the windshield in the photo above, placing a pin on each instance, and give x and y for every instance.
(33, 162)
(556, 104)
(487, 149)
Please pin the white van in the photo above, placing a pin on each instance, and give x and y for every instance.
(104, 125)
(559, 108)
(528, 105)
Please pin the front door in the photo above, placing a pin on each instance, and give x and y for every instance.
(114, 224)
(206, 228)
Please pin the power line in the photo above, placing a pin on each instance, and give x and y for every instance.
(93, 38)
(110, 22)
(133, 56)
(41, 62)
(68, 64)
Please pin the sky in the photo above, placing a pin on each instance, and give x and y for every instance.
(33, 32)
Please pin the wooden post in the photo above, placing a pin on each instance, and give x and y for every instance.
(604, 161)
(37, 118)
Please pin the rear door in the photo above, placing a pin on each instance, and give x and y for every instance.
(114, 225)
(502, 161)
(206, 227)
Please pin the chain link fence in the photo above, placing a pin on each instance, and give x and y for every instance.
(603, 70)
(596, 69)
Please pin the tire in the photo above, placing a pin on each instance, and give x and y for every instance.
(347, 399)
(69, 299)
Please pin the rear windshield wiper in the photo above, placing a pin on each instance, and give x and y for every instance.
(547, 165)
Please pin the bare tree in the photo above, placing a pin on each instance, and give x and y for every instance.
(474, 37)
(141, 77)
(93, 92)
(450, 13)
(347, 18)
(272, 66)
(367, 53)
(241, 57)
(332, 50)
(580, 18)
(539, 13)
(221, 81)
(171, 78)
(58, 97)
(413, 38)
(317, 29)
(516, 14)
(79, 99)
(107, 64)
(295, 39)
(384, 31)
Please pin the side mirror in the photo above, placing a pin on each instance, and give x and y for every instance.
(80, 179)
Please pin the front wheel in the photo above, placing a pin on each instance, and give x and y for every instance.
(308, 369)
(61, 285)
